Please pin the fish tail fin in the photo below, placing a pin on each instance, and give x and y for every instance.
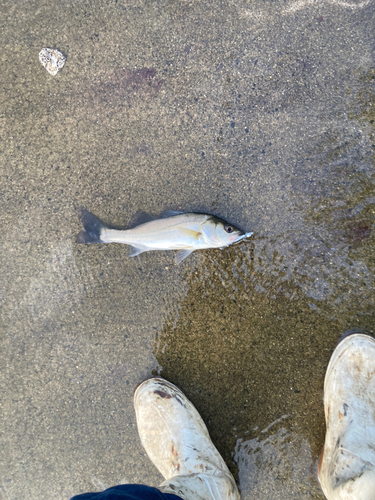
(92, 228)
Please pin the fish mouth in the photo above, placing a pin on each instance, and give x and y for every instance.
(245, 235)
(242, 237)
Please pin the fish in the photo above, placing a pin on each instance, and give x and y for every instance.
(184, 232)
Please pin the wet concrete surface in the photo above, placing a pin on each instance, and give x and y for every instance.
(260, 112)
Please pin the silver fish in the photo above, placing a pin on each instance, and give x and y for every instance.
(180, 231)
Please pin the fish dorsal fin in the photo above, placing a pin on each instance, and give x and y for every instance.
(169, 213)
(181, 255)
(140, 218)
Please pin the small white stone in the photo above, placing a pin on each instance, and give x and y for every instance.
(52, 60)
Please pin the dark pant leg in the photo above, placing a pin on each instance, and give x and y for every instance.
(128, 492)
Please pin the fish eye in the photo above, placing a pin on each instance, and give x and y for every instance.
(228, 228)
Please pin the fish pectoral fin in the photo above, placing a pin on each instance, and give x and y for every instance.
(140, 218)
(190, 233)
(169, 213)
(181, 255)
(133, 250)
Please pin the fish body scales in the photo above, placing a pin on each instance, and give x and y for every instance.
(174, 233)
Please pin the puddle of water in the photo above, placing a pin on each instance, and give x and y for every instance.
(276, 464)
(251, 339)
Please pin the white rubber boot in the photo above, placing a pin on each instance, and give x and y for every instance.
(177, 442)
(347, 463)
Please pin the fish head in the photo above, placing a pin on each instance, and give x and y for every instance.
(220, 233)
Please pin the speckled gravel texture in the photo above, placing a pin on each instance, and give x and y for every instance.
(260, 112)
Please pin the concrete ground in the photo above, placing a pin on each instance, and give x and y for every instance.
(261, 112)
